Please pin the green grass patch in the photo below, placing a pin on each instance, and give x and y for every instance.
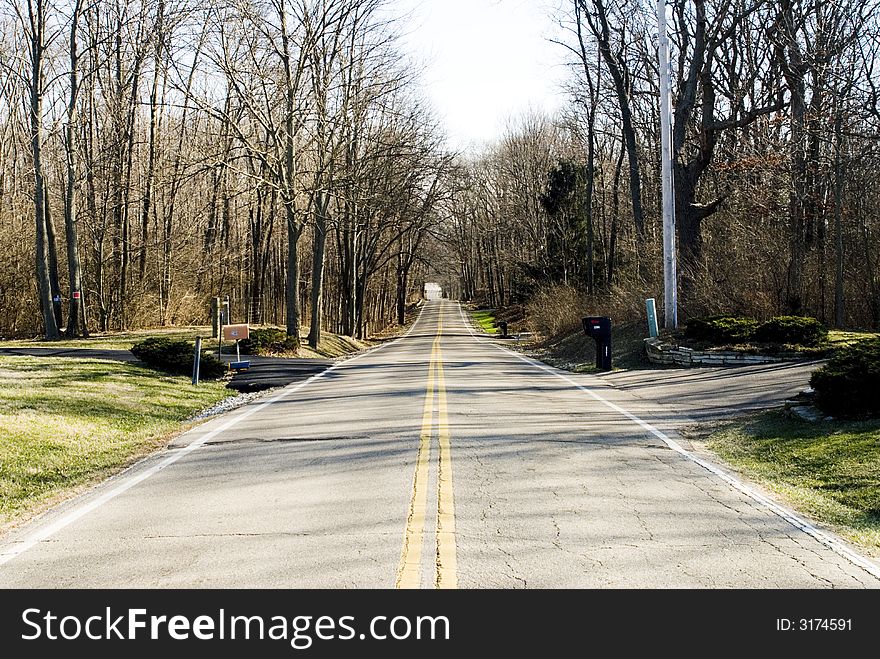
(69, 422)
(485, 318)
(828, 470)
(841, 338)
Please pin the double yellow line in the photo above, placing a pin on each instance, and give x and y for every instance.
(409, 572)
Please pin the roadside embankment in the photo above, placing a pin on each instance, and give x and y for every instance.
(67, 423)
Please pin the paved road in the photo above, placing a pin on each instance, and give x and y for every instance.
(712, 393)
(269, 372)
(436, 460)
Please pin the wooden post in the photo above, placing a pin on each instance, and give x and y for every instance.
(215, 317)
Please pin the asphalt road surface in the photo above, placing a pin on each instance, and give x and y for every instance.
(437, 460)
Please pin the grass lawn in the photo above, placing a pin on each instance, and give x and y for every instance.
(66, 423)
(841, 338)
(836, 339)
(486, 320)
(829, 470)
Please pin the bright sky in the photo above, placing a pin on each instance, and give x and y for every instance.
(487, 61)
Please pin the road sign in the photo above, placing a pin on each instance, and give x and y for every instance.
(235, 332)
(76, 295)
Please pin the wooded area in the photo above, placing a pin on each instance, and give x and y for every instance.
(159, 152)
(776, 136)
(156, 153)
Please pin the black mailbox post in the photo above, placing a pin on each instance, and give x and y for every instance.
(503, 326)
(599, 327)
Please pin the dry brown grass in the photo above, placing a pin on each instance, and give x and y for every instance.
(557, 310)
(555, 314)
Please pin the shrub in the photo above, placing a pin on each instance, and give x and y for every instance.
(268, 340)
(176, 356)
(721, 329)
(798, 330)
(848, 385)
(556, 311)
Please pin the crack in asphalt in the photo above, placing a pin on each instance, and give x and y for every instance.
(762, 537)
(513, 573)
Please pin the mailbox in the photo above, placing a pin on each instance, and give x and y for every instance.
(236, 332)
(503, 326)
(599, 327)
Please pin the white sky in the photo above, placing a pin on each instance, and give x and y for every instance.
(487, 61)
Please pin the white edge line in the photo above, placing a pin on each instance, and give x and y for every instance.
(792, 518)
(44, 533)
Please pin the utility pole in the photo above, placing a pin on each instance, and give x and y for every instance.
(670, 276)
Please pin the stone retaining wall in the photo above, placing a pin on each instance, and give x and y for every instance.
(666, 353)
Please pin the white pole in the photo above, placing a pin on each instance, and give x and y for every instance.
(670, 284)
(197, 357)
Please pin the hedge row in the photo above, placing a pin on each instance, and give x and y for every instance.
(267, 341)
(849, 384)
(721, 329)
(176, 357)
(795, 330)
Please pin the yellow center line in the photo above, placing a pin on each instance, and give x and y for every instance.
(446, 553)
(410, 570)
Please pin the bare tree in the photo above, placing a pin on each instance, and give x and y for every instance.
(596, 15)
(76, 320)
(32, 21)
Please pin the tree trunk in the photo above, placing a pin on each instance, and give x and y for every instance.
(359, 291)
(261, 238)
(75, 315)
(37, 50)
(349, 279)
(588, 202)
(292, 283)
(322, 201)
(402, 282)
(99, 234)
(287, 180)
(615, 210)
(872, 279)
(125, 196)
(794, 72)
(150, 175)
(839, 311)
(602, 34)
(688, 217)
(52, 246)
